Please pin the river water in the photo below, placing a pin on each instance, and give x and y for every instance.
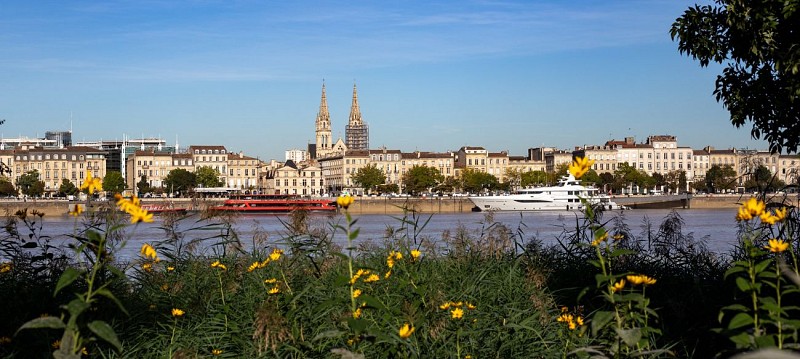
(717, 227)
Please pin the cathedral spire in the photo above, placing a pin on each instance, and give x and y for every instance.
(355, 111)
(356, 132)
(323, 127)
(323, 116)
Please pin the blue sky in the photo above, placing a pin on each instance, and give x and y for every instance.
(431, 75)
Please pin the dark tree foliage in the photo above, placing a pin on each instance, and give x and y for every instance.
(7, 188)
(719, 178)
(67, 188)
(143, 186)
(113, 182)
(369, 177)
(29, 184)
(180, 180)
(476, 181)
(757, 41)
(421, 179)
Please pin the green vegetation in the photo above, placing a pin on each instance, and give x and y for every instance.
(369, 177)
(207, 177)
(113, 182)
(757, 43)
(29, 184)
(421, 179)
(601, 291)
(67, 188)
(179, 181)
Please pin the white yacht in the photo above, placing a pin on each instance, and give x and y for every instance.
(566, 195)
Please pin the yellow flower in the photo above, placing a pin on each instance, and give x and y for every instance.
(405, 331)
(359, 273)
(177, 312)
(75, 210)
(148, 267)
(445, 306)
(751, 208)
(618, 236)
(170, 268)
(372, 278)
(140, 215)
(276, 254)
(6, 267)
(618, 286)
(457, 313)
(397, 255)
(345, 201)
(148, 251)
(164, 287)
(263, 264)
(776, 245)
(387, 275)
(580, 166)
(572, 325)
(565, 318)
(216, 352)
(780, 214)
(769, 218)
(253, 266)
(599, 239)
(219, 265)
(56, 344)
(271, 281)
(579, 320)
(471, 306)
(640, 279)
(356, 293)
(415, 254)
(5, 340)
(274, 290)
(92, 184)
(357, 313)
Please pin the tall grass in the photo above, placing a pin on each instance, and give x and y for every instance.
(498, 292)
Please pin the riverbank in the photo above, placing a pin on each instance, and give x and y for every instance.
(380, 205)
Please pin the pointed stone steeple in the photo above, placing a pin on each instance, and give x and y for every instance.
(356, 132)
(323, 127)
(355, 111)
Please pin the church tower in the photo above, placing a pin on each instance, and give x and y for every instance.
(324, 143)
(357, 132)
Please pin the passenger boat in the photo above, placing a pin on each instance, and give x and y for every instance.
(162, 209)
(566, 195)
(273, 203)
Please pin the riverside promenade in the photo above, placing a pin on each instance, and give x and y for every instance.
(382, 205)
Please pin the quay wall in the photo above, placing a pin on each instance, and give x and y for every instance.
(364, 205)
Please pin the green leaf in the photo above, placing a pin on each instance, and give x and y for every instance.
(743, 284)
(599, 320)
(105, 332)
(765, 341)
(107, 293)
(630, 336)
(329, 334)
(736, 307)
(44, 322)
(734, 270)
(354, 234)
(740, 320)
(372, 301)
(742, 340)
(762, 265)
(76, 307)
(69, 276)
